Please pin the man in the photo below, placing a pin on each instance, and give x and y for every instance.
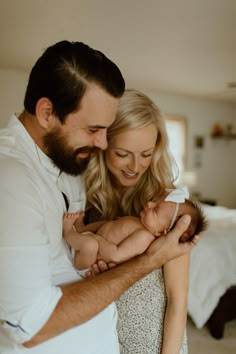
(45, 307)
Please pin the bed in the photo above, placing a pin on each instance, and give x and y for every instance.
(212, 290)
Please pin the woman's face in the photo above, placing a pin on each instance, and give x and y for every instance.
(129, 154)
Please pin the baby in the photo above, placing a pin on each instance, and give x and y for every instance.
(123, 238)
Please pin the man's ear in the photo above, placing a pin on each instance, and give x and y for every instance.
(43, 112)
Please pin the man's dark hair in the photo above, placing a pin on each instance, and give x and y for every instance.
(63, 72)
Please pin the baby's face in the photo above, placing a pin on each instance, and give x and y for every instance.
(156, 217)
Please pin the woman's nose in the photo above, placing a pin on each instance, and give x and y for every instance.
(134, 164)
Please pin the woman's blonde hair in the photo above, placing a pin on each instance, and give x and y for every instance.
(135, 110)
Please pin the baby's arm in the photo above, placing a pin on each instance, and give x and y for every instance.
(134, 244)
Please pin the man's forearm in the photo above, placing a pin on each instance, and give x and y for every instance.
(84, 299)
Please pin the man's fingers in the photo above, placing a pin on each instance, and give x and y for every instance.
(95, 269)
(112, 265)
(89, 274)
(181, 225)
(196, 239)
(102, 265)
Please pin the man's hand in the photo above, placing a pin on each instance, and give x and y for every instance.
(99, 267)
(168, 247)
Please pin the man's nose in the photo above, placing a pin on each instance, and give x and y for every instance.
(100, 140)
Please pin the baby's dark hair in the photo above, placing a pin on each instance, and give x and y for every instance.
(199, 218)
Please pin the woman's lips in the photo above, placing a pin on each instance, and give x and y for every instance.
(130, 174)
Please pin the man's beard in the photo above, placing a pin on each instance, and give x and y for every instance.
(64, 157)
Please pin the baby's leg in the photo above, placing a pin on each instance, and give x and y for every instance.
(85, 245)
(108, 251)
(86, 256)
(68, 225)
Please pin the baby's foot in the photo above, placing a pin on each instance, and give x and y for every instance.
(68, 222)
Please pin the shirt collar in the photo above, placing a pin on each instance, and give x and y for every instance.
(47, 163)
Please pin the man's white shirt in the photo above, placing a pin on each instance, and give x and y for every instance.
(34, 258)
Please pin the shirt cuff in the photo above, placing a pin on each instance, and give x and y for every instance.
(22, 330)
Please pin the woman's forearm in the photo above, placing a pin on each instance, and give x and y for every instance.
(176, 275)
(174, 328)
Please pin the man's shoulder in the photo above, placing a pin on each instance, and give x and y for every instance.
(15, 175)
(16, 169)
(11, 157)
(13, 151)
(10, 143)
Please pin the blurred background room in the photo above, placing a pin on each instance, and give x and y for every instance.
(183, 54)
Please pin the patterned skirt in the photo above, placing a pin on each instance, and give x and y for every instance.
(141, 312)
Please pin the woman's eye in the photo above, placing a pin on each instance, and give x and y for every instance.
(145, 156)
(121, 155)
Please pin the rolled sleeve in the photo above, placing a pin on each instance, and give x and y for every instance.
(27, 298)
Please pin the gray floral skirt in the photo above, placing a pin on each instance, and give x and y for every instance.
(141, 312)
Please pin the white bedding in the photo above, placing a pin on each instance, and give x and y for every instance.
(213, 264)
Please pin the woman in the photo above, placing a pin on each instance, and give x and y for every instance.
(136, 168)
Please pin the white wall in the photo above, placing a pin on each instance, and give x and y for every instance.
(217, 174)
(12, 88)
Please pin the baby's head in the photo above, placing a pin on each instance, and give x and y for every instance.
(161, 216)
(156, 216)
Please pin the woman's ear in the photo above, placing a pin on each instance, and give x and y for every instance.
(43, 112)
